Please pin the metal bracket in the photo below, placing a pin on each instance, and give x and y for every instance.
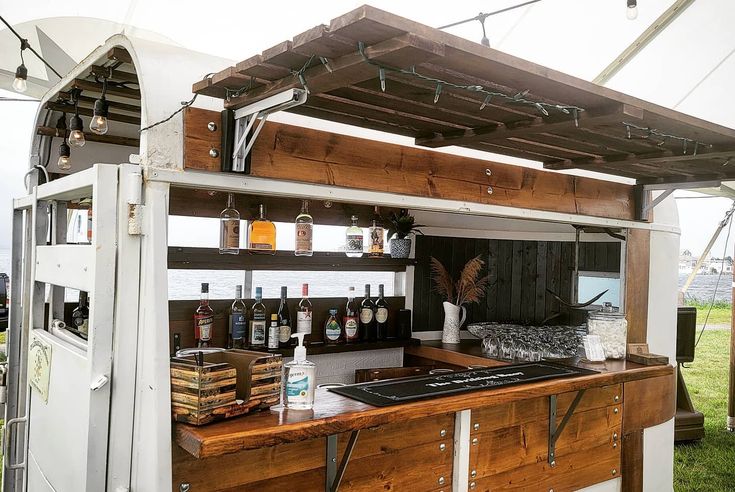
(334, 473)
(645, 205)
(554, 431)
(246, 117)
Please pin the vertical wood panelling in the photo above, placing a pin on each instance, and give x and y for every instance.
(520, 272)
(637, 263)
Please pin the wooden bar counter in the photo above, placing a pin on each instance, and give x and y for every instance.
(494, 439)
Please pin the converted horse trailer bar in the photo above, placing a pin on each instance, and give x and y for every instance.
(96, 414)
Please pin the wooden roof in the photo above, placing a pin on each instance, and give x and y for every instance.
(610, 132)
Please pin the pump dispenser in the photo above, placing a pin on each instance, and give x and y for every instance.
(300, 378)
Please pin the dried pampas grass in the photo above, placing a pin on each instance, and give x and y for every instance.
(469, 288)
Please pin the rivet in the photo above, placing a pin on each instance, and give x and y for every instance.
(553, 463)
(184, 487)
(213, 153)
(475, 441)
(476, 426)
(616, 398)
(212, 126)
(473, 485)
(615, 436)
(615, 445)
(488, 172)
(615, 410)
(473, 473)
(442, 432)
(614, 471)
(489, 190)
(442, 447)
(441, 480)
(334, 460)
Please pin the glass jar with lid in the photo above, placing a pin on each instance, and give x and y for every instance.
(610, 325)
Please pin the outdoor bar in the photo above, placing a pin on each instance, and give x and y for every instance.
(551, 367)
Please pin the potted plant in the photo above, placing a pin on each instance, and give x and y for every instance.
(400, 228)
(470, 287)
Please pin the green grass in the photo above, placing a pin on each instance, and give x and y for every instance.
(708, 465)
(720, 315)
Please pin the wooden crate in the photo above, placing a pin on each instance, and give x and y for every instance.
(228, 384)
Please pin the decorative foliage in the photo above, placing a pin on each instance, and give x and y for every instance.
(469, 288)
(402, 225)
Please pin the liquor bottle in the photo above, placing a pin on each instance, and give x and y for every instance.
(332, 329)
(367, 317)
(203, 319)
(262, 234)
(303, 316)
(80, 315)
(229, 228)
(284, 321)
(257, 333)
(354, 239)
(304, 231)
(350, 320)
(273, 334)
(381, 315)
(238, 321)
(375, 248)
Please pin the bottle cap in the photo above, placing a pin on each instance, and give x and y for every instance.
(238, 291)
(205, 288)
(299, 353)
(274, 317)
(259, 292)
(284, 291)
(305, 290)
(333, 312)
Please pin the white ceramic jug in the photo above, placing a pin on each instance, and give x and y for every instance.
(452, 322)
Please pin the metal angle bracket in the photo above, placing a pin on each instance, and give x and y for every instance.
(645, 205)
(554, 430)
(335, 473)
(246, 117)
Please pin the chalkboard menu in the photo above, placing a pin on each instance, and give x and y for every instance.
(395, 391)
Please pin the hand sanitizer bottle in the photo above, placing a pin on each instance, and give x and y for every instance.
(300, 378)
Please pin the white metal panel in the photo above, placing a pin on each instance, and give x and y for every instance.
(66, 265)
(461, 467)
(77, 185)
(340, 368)
(615, 485)
(658, 456)
(38, 482)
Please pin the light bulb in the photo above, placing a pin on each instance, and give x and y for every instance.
(98, 124)
(76, 137)
(64, 163)
(632, 11)
(20, 84)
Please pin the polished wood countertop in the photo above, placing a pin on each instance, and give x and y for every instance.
(333, 414)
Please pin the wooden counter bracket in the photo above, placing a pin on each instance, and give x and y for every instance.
(334, 474)
(554, 431)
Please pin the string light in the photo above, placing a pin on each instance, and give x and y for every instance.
(665, 136)
(64, 149)
(20, 83)
(99, 124)
(76, 125)
(518, 98)
(632, 11)
(481, 18)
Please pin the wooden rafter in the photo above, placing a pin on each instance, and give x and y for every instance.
(92, 137)
(68, 108)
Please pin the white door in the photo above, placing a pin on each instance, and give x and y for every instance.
(59, 438)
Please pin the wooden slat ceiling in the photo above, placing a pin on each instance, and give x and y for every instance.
(612, 133)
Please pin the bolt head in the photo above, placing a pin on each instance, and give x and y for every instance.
(614, 471)
(616, 398)
(489, 190)
(476, 426)
(553, 463)
(442, 447)
(615, 410)
(441, 480)
(213, 153)
(442, 433)
(488, 172)
(212, 126)
(473, 485)
(473, 473)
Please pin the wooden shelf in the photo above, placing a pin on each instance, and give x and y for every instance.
(321, 349)
(180, 258)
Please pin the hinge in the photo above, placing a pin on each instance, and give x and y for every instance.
(135, 205)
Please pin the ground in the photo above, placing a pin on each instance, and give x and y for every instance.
(710, 464)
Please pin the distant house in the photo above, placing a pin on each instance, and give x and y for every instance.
(710, 265)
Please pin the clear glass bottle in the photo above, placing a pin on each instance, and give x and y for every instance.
(350, 321)
(238, 321)
(304, 314)
(273, 334)
(203, 319)
(80, 315)
(258, 327)
(354, 240)
(376, 233)
(284, 320)
(333, 332)
(367, 317)
(304, 231)
(262, 234)
(381, 315)
(229, 228)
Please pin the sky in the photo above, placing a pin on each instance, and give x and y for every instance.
(682, 69)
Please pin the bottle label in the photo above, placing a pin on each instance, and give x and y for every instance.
(262, 246)
(297, 386)
(303, 322)
(332, 330)
(273, 336)
(381, 315)
(257, 332)
(351, 327)
(238, 326)
(303, 237)
(354, 242)
(284, 333)
(203, 327)
(366, 315)
(231, 232)
(376, 240)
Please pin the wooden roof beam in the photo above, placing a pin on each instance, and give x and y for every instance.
(402, 52)
(96, 87)
(86, 101)
(659, 159)
(92, 137)
(69, 108)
